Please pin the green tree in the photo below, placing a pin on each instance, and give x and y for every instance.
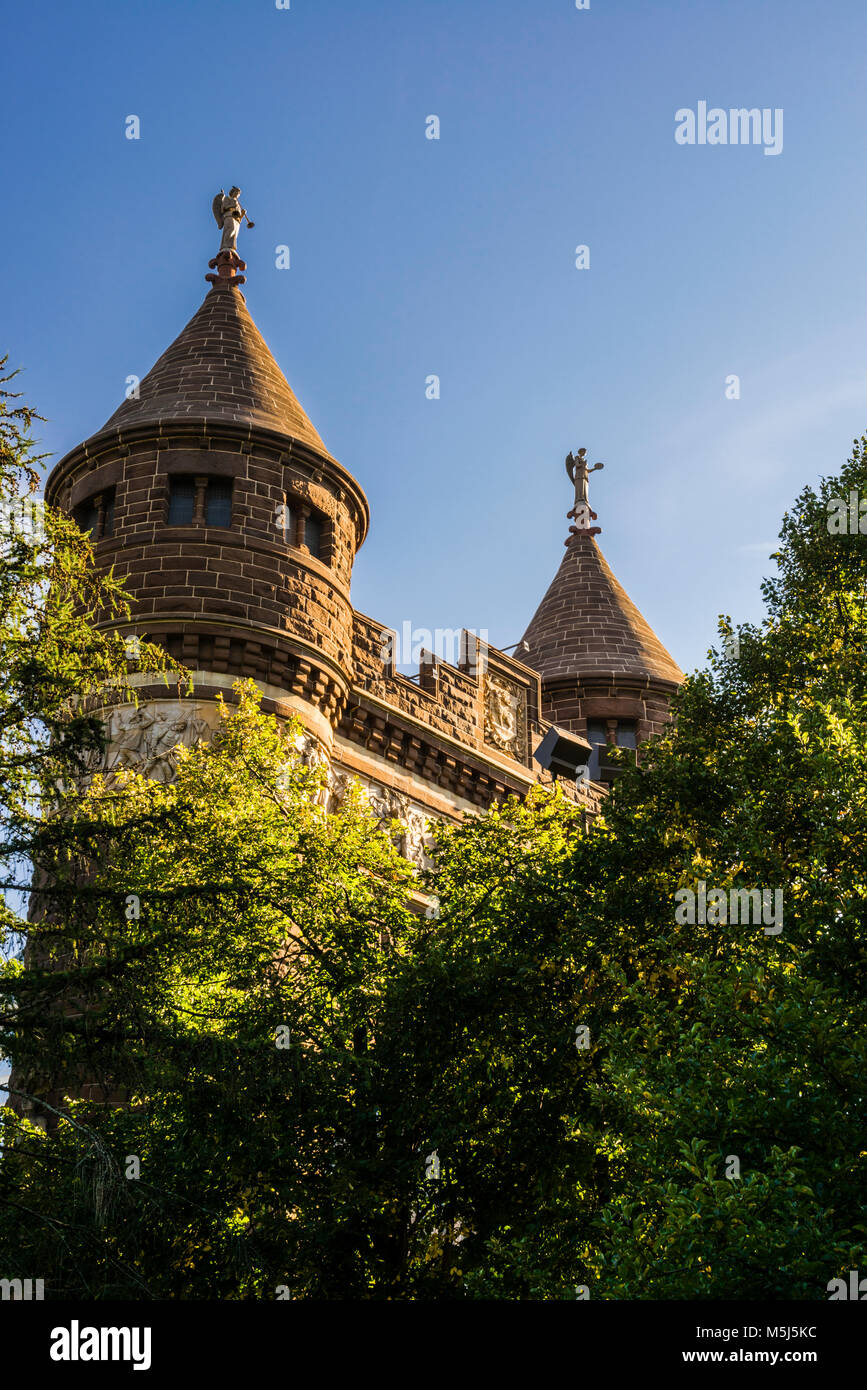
(229, 952)
(709, 1142)
(59, 657)
(293, 1079)
(61, 662)
(751, 1044)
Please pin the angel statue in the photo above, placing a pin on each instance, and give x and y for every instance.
(228, 214)
(579, 475)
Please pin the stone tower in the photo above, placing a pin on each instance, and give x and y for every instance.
(605, 674)
(235, 529)
(212, 494)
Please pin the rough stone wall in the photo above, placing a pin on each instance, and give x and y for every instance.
(445, 698)
(239, 598)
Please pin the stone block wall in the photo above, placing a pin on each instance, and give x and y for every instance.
(240, 598)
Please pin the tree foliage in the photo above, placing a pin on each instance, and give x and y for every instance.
(293, 1081)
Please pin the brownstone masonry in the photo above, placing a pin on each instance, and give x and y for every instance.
(213, 495)
(597, 656)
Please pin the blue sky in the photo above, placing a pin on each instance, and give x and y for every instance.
(456, 257)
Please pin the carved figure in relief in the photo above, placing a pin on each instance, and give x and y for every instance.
(386, 803)
(313, 755)
(186, 730)
(127, 737)
(417, 839)
(144, 739)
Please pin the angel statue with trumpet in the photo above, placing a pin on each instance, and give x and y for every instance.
(579, 476)
(228, 215)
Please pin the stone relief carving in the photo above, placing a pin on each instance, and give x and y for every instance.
(388, 804)
(418, 839)
(339, 784)
(505, 716)
(144, 740)
(313, 755)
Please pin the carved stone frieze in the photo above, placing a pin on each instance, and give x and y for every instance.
(144, 739)
(388, 805)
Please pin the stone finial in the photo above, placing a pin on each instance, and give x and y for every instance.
(228, 215)
(582, 513)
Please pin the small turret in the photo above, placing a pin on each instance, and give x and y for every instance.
(605, 674)
(212, 494)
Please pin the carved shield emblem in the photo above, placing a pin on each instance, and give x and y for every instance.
(505, 716)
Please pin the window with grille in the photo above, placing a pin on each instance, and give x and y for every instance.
(313, 534)
(600, 735)
(218, 502)
(182, 501)
(597, 735)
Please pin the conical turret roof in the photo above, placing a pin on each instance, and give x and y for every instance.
(219, 368)
(588, 625)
